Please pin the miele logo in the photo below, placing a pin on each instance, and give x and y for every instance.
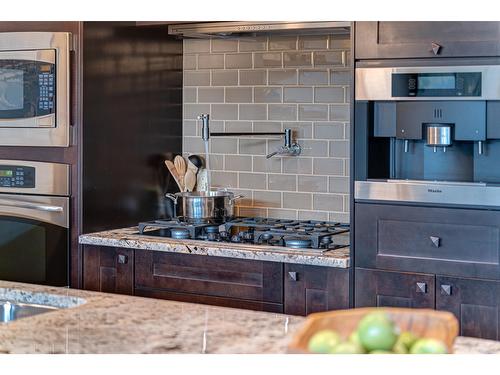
(434, 191)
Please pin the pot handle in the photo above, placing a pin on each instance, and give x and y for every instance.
(236, 197)
(172, 197)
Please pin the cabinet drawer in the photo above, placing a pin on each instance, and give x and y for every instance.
(457, 242)
(210, 276)
(389, 39)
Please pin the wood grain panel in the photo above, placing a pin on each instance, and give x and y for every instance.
(211, 276)
(194, 273)
(210, 300)
(103, 272)
(396, 289)
(475, 303)
(310, 289)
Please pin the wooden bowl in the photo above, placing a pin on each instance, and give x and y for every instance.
(440, 325)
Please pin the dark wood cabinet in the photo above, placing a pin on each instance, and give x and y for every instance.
(108, 269)
(393, 289)
(247, 284)
(475, 303)
(381, 40)
(310, 289)
(213, 280)
(451, 241)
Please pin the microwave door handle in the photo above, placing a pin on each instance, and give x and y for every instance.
(32, 206)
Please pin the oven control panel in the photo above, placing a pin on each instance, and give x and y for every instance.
(17, 176)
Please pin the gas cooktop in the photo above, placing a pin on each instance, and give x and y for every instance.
(296, 234)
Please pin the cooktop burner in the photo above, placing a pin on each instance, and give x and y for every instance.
(296, 234)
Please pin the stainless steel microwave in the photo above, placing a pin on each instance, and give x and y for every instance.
(35, 89)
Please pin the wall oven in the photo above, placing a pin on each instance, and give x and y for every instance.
(34, 222)
(35, 89)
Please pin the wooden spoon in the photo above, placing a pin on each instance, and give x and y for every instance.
(190, 180)
(173, 172)
(180, 166)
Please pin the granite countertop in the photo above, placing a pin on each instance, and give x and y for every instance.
(108, 323)
(129, 238)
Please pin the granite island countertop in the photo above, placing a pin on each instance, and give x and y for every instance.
(130, 238)
(95, 322)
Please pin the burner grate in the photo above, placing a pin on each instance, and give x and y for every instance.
(299, 234)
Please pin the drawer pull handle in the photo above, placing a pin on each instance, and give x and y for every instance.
(293, 275)
(436, 241)
(446, 290)
(122, 259)
(421, 287)
(435, 48)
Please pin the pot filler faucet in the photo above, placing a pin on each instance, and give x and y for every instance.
(289, 148)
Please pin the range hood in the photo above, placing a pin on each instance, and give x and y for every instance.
(236, 29)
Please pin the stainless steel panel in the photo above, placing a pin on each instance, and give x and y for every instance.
(47, 55)
(53, 210)
(208, 29)
(429, 192)
(50, 178)
(376, 83)
(18, 44)
(438, 135)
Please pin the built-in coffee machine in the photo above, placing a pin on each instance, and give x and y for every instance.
(428, 133)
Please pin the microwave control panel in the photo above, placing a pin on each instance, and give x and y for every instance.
(47, 88)
(17, 176)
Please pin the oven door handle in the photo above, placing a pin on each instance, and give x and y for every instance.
(51, 210)
(32, 206)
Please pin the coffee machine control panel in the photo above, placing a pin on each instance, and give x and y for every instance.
(460, 84)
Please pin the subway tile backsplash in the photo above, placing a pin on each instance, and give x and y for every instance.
(267, 84)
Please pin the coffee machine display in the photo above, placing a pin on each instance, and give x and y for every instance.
(428, 134)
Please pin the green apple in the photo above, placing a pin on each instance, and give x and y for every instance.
(347, 348)
(323, 341)
(377, 332)
(428, 346)
(381, 352)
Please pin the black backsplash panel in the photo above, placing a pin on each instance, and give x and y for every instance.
(132, 98)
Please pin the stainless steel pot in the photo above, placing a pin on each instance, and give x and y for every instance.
(214, 206)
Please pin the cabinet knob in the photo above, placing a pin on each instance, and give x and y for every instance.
(436, 48)
(446, 290)
(293, 275)
(122, 259)
(421, 287)
(436, 241)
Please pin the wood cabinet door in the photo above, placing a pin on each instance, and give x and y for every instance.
(310, 289)
(475, 303)
(375, 288)
(380, 40)
(108, 269)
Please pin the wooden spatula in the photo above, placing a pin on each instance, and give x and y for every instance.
(190, 180)
(180, 166)
(175, 175)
